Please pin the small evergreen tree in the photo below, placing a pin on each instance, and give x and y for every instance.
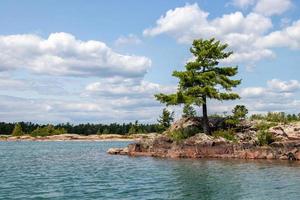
(240, 112)
(105, 131)
(204, 79)
(17, 130)
(188, 111)
(165, 119)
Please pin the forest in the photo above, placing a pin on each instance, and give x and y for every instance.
(82, 129)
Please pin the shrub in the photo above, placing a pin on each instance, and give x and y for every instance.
(188, 111)
(240, 112)
(47, 130)
(227, 134)
(231, 122)
(17, 130)
(279, 117)
(265, 138)
(257, 117)
(262, 126)
(184, 133)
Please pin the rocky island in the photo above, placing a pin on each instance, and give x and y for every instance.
(246, 142)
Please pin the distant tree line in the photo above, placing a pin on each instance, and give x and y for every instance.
(83, 129)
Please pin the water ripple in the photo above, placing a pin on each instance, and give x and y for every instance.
(83, 170)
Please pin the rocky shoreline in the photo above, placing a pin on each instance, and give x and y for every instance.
(76, 137)
(285, 147)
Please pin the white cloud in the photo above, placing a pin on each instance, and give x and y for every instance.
(284, 86)
(251, 92)
(7, 83)
(182, 23)
(272, 7)
(63, 54)
(92, 110)
(46, 86)
(277, 96)
(287, 37)
(238, 30)
(130, 39)
(126, 87)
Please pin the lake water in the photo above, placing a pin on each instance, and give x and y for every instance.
(83, 170)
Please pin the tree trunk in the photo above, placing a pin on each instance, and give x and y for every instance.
(205, 122)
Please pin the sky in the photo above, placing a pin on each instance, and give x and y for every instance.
(102, 61)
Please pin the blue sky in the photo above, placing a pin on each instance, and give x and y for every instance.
(102, 61)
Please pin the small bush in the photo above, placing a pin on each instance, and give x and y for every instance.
(279, 117)
(240, 112)
(265, 138)
(227, 134)
(262, 126)
(17, 130)
(47, 130)
(231, 122)
(184, 133)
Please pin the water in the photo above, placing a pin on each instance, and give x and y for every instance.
(83, 170)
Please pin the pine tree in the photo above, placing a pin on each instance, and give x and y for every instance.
(134, 128)
(17, 130)
(204, 79)
(165, 119)
(188, 111)
(240, 111)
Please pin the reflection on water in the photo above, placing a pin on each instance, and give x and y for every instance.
(82, 170)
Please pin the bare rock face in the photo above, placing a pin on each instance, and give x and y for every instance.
(279, 133)
(196, 122)
(286, 132)
(119, 151)
(186, 122)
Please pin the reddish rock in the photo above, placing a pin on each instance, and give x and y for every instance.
(205, 146)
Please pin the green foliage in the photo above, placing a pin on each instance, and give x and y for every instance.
(240, 112)
(183, 133)
(165, 120)
(47, 131)
(227, 134)
(6, 128)
(265, 138)
(135, 128)
(203, 78)
(279, 117)
(262, 126)
(17, 130)
(231, 121)
(188, 111)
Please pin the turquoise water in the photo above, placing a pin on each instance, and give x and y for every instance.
(83, 170)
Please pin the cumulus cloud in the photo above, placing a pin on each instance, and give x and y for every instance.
(278, 96)
(249, 36)
(284, 86)
(272, 7)
(126, 40)
(63, 54)
(287, 37)
(265, 7)
(238, 30)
